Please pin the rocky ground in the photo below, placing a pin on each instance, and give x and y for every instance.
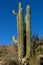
(8, 55)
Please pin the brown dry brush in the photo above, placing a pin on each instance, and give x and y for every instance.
(10, 62)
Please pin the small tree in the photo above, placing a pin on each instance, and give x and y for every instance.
(36, 37)
(33, 38)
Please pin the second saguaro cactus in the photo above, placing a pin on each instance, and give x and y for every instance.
(28, 31)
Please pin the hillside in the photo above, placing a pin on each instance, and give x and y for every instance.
(8, 54)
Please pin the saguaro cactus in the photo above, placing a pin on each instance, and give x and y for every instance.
(28, 31)
(20, 26)
(20, 32)
(23, 56)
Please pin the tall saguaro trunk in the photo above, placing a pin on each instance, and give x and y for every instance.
(28, 31)
(20, 32)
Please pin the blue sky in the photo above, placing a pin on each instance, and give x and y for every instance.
(8, 24)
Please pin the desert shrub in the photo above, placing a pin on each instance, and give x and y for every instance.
(10, 62)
